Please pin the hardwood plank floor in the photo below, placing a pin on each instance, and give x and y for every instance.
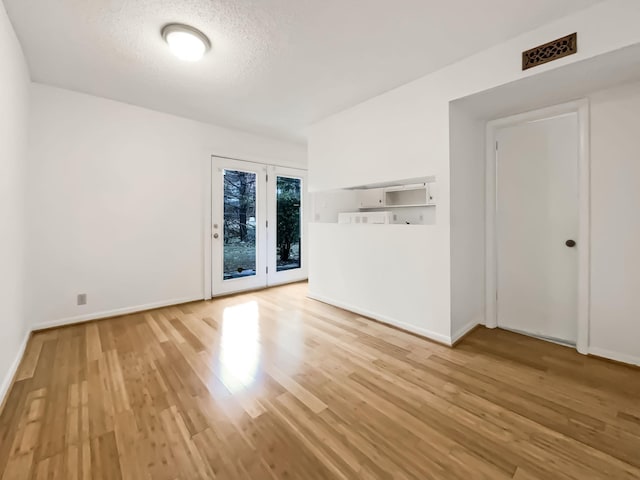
(272, 385)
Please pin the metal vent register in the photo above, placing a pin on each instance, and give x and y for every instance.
(550, 51)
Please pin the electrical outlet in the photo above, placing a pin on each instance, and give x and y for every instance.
(82, 299)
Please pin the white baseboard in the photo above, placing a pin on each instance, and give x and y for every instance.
(112, 313)
(423, 332)
(461, 332)
(8, 378)
(618, 357)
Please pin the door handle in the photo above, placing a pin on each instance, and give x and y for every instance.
(570, 243)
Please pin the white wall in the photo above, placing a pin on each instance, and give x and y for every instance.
(467, 185)
(406, 132)
(368, 271)
(615, 224)
(14, 105)
(328, 204)
(117, 202)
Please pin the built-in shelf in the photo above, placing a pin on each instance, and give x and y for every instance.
(398, 196)
(412, 205)
(416, 195)
(394, 183)
(401, 203)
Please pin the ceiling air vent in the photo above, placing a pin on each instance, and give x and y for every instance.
(550, 51)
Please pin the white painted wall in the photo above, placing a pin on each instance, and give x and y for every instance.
(467, 186)
(406, 132)
(117, 202)
(368, 268)
(615, 224)
(14, 105)
(327, 205)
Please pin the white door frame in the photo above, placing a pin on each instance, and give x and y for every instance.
(581, 107)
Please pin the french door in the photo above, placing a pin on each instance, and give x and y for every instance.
(258, 226)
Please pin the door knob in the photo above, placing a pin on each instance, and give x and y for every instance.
(570, 243)
(215, 235)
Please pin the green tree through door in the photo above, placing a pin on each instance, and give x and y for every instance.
(288, 215)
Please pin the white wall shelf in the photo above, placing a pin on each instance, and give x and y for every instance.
(411, 205)
(398, 196)
(407, 202)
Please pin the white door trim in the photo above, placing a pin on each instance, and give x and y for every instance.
(581, 107)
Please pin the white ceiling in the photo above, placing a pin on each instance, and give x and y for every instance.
(276, 66)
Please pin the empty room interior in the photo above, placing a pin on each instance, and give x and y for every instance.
(301, 240)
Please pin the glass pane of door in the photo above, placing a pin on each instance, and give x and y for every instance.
(288, 205)
(239, 227)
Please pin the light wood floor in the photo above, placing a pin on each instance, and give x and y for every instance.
(272, 385)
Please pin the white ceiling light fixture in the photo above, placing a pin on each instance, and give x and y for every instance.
(186, 43)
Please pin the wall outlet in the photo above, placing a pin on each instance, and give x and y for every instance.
(82, 299)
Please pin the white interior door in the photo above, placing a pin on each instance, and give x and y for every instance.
(287, 225)
(537, 209)
(239, 234)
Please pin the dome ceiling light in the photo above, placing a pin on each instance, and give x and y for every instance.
(186, 43)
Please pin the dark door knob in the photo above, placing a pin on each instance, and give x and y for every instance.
(570, 243)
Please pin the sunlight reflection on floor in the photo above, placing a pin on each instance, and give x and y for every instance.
(240, 346)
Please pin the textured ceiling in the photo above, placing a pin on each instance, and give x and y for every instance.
(276, 65)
